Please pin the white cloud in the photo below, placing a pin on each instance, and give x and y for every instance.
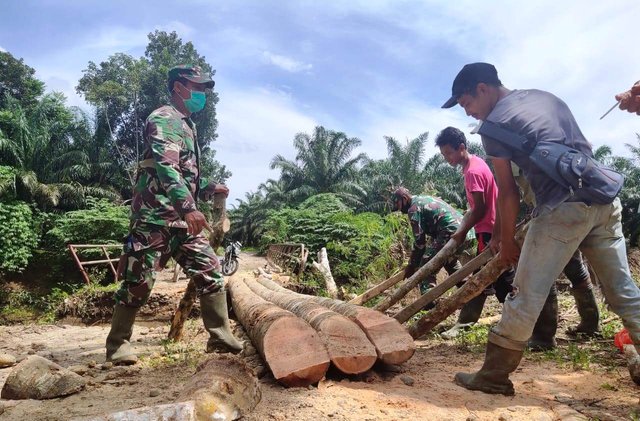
(2, 49)
(254, 126)
(117, 39)
(181, 28)
(286, 63)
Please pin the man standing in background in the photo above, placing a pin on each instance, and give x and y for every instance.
(482, 192)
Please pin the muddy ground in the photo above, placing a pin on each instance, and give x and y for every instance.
(547, 388)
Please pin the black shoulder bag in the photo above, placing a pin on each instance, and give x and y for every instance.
(574, 170)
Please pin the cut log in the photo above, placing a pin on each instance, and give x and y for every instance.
(291, 348)
(219, 227)
(435, 292)
(432, 266)
(471, 288)
(379, 289)
(392, 342)
(223, 388)
(322, 266)
(349, 349)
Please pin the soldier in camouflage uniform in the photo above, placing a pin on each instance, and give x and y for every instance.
(433, 217)
(165, 220)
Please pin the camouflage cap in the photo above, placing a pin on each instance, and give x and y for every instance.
(189, 72)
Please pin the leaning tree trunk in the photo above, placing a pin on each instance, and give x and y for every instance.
(218, 229)
(379, 289)
(291, 348)
(392, 342)
(349, 349)
(432, 266)
(471, 288)
(435, 292)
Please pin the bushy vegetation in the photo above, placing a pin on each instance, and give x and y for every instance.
(101, 223)
(361, 246)
(18, 236)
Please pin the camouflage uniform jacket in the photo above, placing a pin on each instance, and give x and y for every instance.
(433, 217)
(168, 182)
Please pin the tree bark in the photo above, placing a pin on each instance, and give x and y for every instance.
(435, 292)
(471, 288)
(218, 229)
(392, 342)
(432, 266)
(322, 266)
(349, 349)
(379, 289)
(291, 348)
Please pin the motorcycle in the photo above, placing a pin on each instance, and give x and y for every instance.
(230, 260)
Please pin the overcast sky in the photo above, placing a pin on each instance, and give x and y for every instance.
(368, 68)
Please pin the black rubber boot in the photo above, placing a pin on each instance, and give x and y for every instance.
(119, 350)
(469, 315)
(544, 332)
(216, 321)
(588, 310)
(493, 377)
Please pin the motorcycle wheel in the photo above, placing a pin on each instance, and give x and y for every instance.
(230, 267)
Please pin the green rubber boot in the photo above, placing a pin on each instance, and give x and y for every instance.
(588, 310)
(216, 321)
(119, 350)
(544, 332)
(493, 377)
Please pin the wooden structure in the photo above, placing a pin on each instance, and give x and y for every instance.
(290, 256)
(73, 249)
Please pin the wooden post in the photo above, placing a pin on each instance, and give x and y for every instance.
(471, 288)
(219, 227)
(407, 312)
(379, 289)
(432, 266)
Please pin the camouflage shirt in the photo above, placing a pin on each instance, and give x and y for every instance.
(433, 217)
(168, 181)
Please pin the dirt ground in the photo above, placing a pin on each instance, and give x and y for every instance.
(422, 388)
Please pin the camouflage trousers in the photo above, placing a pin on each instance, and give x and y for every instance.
(149, 247)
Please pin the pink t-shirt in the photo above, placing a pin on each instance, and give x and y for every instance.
(478, 178)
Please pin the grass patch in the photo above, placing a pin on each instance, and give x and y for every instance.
(474, 339)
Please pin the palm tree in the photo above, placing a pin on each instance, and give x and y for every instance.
(323, 164)
(247, 219)
(30, 139)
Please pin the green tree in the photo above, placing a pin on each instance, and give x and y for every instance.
(323, 164)
(17, 81)
(125, 90)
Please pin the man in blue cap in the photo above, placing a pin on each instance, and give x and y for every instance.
(561, 223)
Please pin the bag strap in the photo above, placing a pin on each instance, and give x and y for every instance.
(504, 136)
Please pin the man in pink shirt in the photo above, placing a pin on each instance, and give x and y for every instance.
(482, 193)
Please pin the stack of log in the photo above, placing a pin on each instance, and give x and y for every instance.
(299, 335)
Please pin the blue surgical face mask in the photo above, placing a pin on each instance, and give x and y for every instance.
(196, 102)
